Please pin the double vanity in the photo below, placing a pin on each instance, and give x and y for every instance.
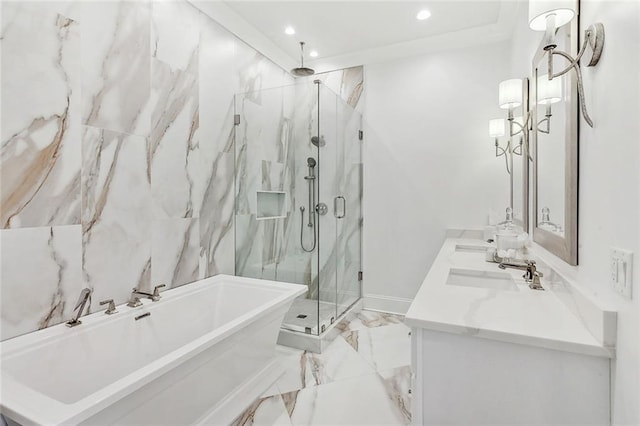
(489, 349)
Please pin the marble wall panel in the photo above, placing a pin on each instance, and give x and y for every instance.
(249, 242)
(347, 83)
(118, 121)
(175, 32)
(217, 253)
(40, 137)
(40, 277)
(116, 214)
(175, 252)
(173, 142)
(115, 66)
(217, 87)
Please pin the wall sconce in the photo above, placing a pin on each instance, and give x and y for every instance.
(547, 16)
(549, 92)
(496, 130)
(510, 97)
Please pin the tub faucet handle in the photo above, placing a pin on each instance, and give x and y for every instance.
(82, 301)
(111, 309)
(156, 292)
(134, 300)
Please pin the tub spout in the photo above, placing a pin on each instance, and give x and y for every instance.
(82, 301)
(135, 300)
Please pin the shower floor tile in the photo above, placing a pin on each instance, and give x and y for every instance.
(363, 377)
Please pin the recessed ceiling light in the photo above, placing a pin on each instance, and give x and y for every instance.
(423, 14)
(289, 31)
(313, 53)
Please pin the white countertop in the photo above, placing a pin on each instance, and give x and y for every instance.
(522, 315)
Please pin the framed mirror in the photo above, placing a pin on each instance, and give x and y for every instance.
(554, 147)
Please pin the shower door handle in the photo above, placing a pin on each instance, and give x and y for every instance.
(335, 207)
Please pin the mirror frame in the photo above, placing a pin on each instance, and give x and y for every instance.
(524, 158)
(565, 247)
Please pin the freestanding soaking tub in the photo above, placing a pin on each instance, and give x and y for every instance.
(204, 353)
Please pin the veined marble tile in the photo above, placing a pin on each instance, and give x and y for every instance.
(269, 411)
(40, 278)
(40, 148)
(348, 83)
(116, 214)
(68, 8)
(175, 32)
(173, 143)
(361, 400)
(115, 57)
(217, 90)
(397, 382)
(383, 347)
(352, 85)
(369, 319)
(217, 219)
(256, 72)
(175, 252)
(305, 369)
(248, 247)
(216, 149)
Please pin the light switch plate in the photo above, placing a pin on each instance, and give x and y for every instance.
(621, 271)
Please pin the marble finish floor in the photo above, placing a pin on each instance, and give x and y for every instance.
(362, 378)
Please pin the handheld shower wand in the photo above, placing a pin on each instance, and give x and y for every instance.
(311, 163)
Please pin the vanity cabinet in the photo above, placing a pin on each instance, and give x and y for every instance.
(466, 380)
(488, 350)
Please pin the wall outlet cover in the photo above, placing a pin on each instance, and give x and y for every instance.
(621, 271)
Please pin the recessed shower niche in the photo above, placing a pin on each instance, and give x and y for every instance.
(298, 158)
(271, 205)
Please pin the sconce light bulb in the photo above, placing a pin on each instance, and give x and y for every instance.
(563, 12)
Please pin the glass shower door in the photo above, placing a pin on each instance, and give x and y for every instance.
(347, 205)
(341, 191)
(298, 218)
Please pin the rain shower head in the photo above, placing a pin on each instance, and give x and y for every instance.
(311, 162)
(302, 71)
(318, 141)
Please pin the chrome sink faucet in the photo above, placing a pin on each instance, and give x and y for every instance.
(135, 300)
(531, 276)
(82, 301)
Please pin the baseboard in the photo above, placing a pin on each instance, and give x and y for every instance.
(394, 305)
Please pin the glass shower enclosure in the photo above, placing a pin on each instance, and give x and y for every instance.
(298, 209)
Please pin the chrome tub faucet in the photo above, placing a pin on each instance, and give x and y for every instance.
(531, 276)
(82, 301)
(134, 301)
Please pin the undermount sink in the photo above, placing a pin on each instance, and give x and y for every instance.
(481, 279)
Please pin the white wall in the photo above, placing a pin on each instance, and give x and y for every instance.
(609, 198)
(415, 189)
(429, 163)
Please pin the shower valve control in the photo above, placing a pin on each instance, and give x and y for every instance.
(322, 209)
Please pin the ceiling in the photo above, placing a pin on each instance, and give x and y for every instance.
(348, 33)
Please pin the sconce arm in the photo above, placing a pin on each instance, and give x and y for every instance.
(575, 65)
(503, 151)
(594, 38)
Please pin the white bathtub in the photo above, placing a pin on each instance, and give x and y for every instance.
(205, 352)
